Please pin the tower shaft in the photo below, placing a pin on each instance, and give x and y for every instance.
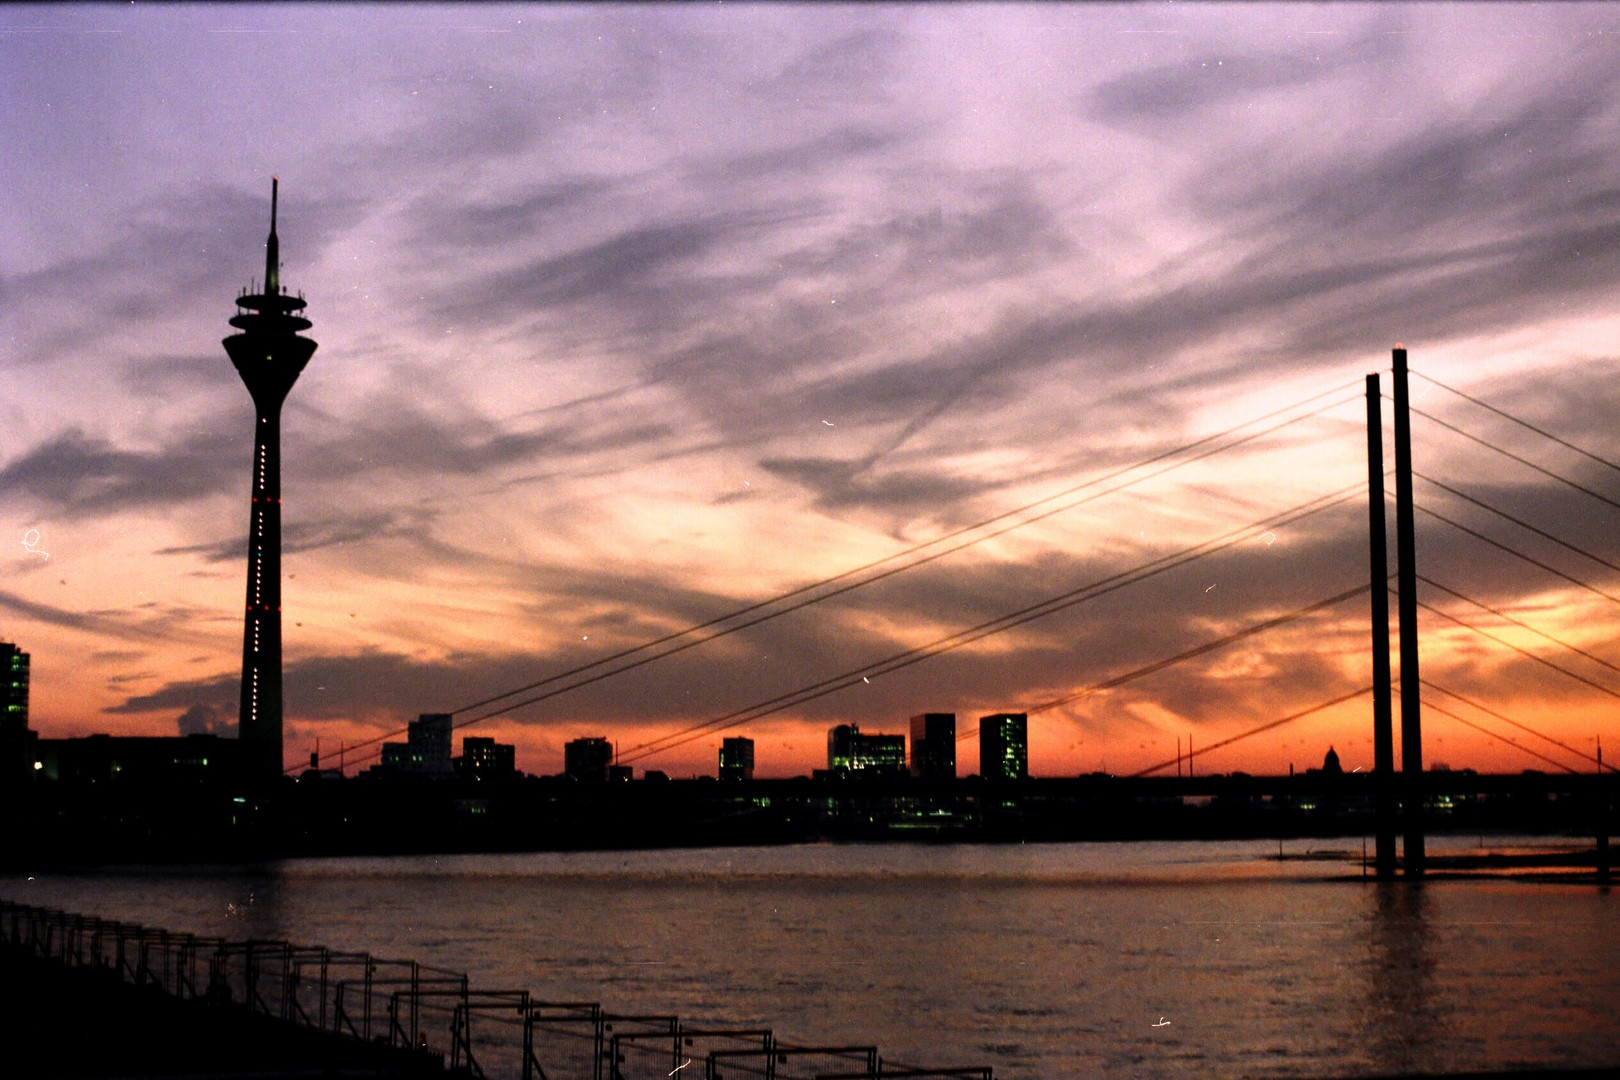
(260, 716)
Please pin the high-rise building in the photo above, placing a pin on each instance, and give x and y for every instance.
(16, 741)
(853, 754)
(737, 759)
(588, 759)
(1004, 746)
(269, 355)
(933, 746)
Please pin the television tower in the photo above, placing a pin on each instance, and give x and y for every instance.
(269, 355)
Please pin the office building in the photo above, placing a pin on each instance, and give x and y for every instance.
(850, 753)
(933, 746)
(269, 355)
(484, 760)
(13, 688)
(426, 751)
(16, 741)
(737, 759)
(1004, 746)
(588, 759)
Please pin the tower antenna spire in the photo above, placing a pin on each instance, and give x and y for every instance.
(272, 247)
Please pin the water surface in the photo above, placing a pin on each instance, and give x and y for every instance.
(1172, 960)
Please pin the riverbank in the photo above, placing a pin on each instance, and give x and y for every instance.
(64, 824)
(62, 1023)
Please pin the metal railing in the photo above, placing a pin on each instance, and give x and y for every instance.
(479, 1034)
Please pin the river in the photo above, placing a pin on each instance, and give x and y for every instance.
(1149, 960)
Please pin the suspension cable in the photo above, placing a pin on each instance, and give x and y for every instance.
(668, 638)
(1520, 623)
(948, 537)
(1199, 650)
(1527, 463)
(951, 642)
(1522, 423)
(1495, 735)
(1507, 720)
(1482, 504)
(1526, 653)
(1519, 554)
(1341, 699)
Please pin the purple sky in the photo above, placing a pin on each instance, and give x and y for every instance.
(630, 316)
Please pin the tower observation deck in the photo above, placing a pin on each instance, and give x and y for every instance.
(269, 355)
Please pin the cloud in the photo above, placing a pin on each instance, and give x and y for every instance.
(201, 234)
(79, 475)
(1189, 89)
(843, 70)
(86, 476)
(186, 375)
(49, 614)
(205, 719)
(840, 485)
(455, 227)
(633, 280)
(358, 528)
(820, 153)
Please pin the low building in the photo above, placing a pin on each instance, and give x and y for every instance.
(484, 760)
(426, 751)
(587, 760)
(855, 755)
(146, 761)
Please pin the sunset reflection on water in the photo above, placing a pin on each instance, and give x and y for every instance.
(1153, 960)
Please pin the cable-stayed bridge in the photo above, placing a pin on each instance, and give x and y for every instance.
(1468, 511)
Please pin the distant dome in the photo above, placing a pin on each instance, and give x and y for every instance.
(1330, 764)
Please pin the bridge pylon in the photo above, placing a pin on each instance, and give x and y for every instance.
(1383, 722)
(1412, 793)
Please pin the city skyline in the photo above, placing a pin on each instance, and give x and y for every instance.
(632, 317)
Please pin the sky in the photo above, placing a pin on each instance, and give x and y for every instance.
(634, 316)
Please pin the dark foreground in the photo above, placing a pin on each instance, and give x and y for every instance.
(91, 997)
(60, 1022)
(79, 1023)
